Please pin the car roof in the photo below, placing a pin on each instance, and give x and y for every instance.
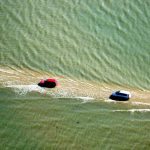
(124, 92)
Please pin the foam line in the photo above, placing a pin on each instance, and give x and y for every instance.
(132, 110)
(140, 103)
(24, 89)
(85, 99)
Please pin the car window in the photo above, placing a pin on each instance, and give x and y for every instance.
(117, 92)
(122, 94)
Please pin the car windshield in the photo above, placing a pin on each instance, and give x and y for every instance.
(122, 94)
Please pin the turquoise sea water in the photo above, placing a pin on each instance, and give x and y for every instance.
(92, 47)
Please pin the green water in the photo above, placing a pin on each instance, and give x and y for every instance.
(106, 41)
(92, 47)
(47, 123)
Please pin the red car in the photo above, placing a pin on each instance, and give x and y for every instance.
(48, 83)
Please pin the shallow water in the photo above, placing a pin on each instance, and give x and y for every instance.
(101, 41)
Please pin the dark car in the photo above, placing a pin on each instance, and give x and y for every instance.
(120, 95)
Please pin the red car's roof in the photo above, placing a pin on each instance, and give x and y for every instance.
(51, 80)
